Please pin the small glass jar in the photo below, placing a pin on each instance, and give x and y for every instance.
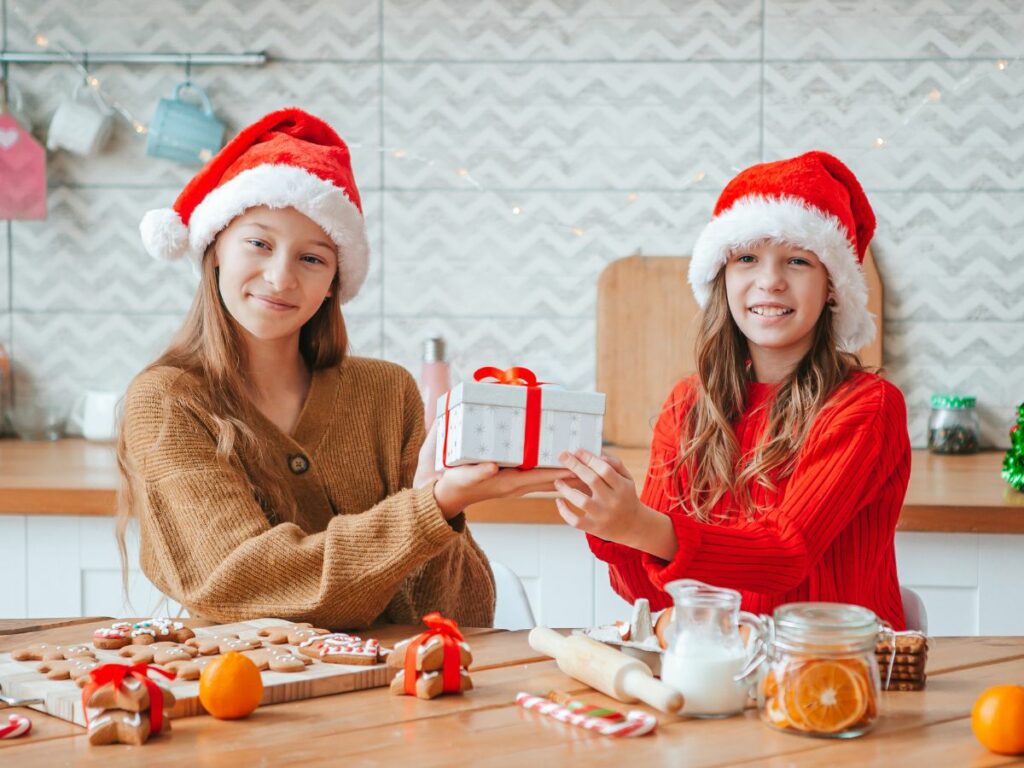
(953, 425)
(820, 675)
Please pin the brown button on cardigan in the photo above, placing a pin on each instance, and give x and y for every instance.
(364, 547)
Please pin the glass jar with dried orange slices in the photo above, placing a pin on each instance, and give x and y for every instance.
(819, 674)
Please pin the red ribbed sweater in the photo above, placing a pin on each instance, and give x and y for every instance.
(827, 533)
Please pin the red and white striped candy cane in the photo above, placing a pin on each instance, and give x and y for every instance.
(17, 725)
(635, 724)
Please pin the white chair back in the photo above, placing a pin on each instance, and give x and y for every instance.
(913, 610)
(512, 608)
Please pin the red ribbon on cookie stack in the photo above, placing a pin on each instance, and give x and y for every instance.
(517, 376)
(451, 669)
(116, 673)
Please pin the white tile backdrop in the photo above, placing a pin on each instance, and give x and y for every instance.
(621, 118)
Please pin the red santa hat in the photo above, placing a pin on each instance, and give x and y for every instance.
(287, 159)
(813, 202)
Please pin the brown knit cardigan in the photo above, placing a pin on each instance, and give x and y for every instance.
(365, 546)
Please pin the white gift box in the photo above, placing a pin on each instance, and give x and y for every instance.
(487, 422)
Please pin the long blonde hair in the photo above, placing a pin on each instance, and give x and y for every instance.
(209, 346)
(709, 450)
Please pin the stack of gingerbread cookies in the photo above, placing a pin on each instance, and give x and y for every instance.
(433, 662)
(902, 659)
(125, 708)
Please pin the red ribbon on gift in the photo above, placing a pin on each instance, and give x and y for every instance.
(517, 376)
(116, 673)
(451, 668)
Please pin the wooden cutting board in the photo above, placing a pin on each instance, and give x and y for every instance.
(63, 698)
(645, 337)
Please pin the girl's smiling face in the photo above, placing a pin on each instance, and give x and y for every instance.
(276, 267)
(776, 294)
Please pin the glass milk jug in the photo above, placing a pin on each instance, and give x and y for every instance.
(706, 653)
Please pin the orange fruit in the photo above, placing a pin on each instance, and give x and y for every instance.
(825, 697)
(230, 686)
(998, 719)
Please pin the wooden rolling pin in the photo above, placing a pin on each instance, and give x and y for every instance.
(613, 673)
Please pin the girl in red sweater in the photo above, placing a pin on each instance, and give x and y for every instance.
(779, 468)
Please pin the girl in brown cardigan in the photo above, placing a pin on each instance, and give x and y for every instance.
(270, 473)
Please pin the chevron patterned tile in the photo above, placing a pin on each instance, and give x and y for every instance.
(365, 334)
(558, 350)
(340, 29)
(904, 29)
(60, 355)
(5, 270)
(983, 359)
(966, 139)
(346, 95)
(569, 126)
(567, 30)
(467, 253)
(87, 256)
(951, 256)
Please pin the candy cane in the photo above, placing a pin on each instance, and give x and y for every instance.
(635, 723)
(18, 725)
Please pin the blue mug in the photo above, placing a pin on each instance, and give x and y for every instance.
(185, 132)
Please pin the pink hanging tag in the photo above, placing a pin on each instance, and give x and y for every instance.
(22, 172)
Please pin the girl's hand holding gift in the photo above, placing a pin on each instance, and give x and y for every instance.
(458, 487)
(609, 506)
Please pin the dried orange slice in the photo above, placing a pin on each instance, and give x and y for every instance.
(826, 697)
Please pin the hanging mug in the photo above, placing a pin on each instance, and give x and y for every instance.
(81, 124)
(183, 131)
(94, 414)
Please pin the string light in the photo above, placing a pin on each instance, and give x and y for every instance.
(633, 197)
(516, 210)
(879, 142)
(1002, 64)
(934, 95)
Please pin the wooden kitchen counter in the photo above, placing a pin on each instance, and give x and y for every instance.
(484, 726)
(947, 493)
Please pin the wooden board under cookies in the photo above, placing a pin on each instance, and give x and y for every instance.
(63, 698)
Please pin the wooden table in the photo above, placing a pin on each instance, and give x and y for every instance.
(962, 494)
(484, 726)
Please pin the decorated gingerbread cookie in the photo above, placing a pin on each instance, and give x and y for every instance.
(71, 669)
(114, 637)
(48, 652)
(158, 653)
(211, 645)
(278, 659)
(294, 634)
(160, 630)
(341, 648)
(131, 695)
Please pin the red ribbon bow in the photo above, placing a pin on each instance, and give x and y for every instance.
(451, 668)
(517, 376)
(116, 673)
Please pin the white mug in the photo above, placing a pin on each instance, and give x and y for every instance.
(81, 124)
(95, 413)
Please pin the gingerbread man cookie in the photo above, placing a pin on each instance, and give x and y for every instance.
(210, 645)
(429, 685)
(278, 659)
(48, 652)
(429, 656)
(294, 634)
(158, 653)
(184, 669)
(73, 669)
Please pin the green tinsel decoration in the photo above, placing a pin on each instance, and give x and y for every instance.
(1013, 464)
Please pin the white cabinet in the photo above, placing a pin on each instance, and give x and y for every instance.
(63, 565)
